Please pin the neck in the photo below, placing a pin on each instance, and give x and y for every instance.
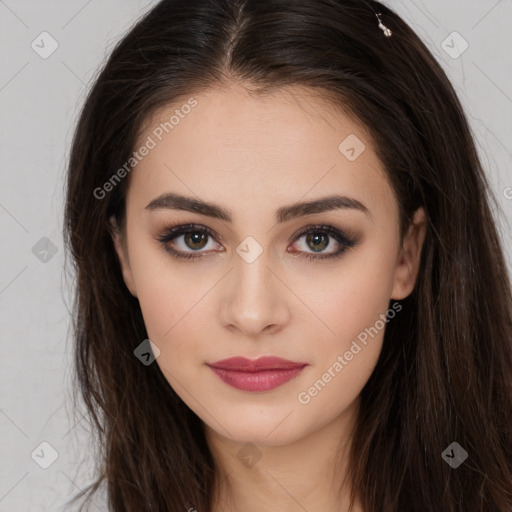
(310, 473)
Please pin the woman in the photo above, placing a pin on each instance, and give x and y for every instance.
(291, 293)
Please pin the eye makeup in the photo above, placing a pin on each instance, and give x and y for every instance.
(320, 235)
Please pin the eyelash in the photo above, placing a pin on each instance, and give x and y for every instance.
(346, 239)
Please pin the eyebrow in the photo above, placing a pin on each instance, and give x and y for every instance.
(171, 201)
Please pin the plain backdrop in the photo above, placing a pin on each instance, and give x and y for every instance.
(39, 102)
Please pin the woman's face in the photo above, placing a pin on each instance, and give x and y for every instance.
(294, 253)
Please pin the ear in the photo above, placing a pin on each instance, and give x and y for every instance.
(119, 239)
(408, 263)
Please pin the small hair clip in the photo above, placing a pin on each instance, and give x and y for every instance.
(383, 27)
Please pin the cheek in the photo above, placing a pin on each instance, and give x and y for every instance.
(165, 295)
(354, 295)
(344, 361)
(173, 311)
(352, 304)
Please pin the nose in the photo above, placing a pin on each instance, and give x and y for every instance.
(254, 299)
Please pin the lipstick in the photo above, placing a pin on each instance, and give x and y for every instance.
(262, 374)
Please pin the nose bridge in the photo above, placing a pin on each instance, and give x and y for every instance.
(255, 300)
(253, 279)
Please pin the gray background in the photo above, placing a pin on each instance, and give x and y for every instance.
(39, 102)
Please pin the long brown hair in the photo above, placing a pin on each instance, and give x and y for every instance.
(445, 370)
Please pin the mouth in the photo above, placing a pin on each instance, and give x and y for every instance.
(262, 374)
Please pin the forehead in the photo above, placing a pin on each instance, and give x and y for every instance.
(285, 144)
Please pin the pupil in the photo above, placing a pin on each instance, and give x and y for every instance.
(321, 239)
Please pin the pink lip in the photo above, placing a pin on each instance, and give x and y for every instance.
(262, 374)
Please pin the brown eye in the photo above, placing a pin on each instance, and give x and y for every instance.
(195, 240)
(317, 242)
(183, 241)
(322, 242)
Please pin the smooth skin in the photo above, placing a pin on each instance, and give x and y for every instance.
(252, 155)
